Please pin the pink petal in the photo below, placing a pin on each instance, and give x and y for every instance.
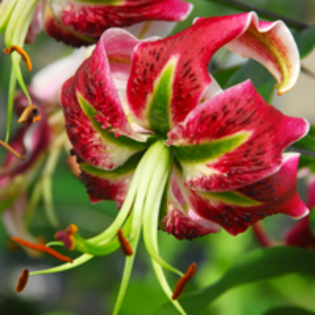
(273, 45)
(46, 84)
(30, 140)
(15, 224)
(237, 210)
(101, 138)
(56, 29)
(189, 52)
(84, 22)
(233, 140)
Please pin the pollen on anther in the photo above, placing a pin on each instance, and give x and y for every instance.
(22, 282)
(22, 53)
(125, 246)
(182, 282)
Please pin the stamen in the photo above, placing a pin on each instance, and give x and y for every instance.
(125, 246)
(12, 151)
(32, 109)
(182, 282)
(22, 282)
(22, 53)
(67, 236)
(42, 248)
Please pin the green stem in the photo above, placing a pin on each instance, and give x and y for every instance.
(263, 13)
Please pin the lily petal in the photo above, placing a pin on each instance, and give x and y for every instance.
(46, 83)
(233, 140)
(273, 45)
(109, 185)
(95, 119)
(76, 22)
(181, 220)
(169, 77)
(236, 210)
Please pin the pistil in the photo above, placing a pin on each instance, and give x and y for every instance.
(42, 248)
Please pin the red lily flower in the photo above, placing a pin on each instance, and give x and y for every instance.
(153, 131)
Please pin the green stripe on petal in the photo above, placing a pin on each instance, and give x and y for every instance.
(231, 198)
(197, 153)
(158, 110)
(121, 141)
(124, 169)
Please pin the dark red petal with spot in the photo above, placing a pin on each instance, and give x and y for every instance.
(114, 189)
(94, 82)
(275, 194)
(261, 134)
(191, 50)
(80, 22)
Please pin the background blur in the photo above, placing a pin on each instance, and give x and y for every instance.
(93, 287)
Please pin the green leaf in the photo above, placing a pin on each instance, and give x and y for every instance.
(288, 310)
(307, 161)
(258, 265)
(306, 143)
(223, 76)
(305, 41)
(260, 77)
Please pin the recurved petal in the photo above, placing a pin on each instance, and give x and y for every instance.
(236, 210)
(95, 119)
(56, 29)
(46, 84)
(169, 77)
(273, 45)
(233, 140)
(89, 21)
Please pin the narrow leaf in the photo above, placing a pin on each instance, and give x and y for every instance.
(260, 77)
(258, 265)
(305, 41)
(288, 310)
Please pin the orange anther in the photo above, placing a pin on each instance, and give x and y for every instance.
(12, 151)
(124, 244)
(22, 282)
(32, 109)
(22, 53)
(42, 248)
(182, 282)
